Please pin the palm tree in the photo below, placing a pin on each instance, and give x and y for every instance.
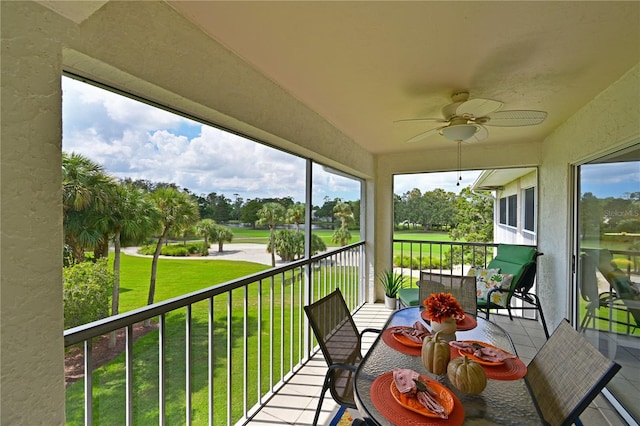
(86, 192)
(271, 214)
(130, 217)
(206, 228)
(221, 234)
(175, 209)
(343, 211)
(295, 214)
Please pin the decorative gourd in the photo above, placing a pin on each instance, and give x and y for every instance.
(467, 375)
(435, 354)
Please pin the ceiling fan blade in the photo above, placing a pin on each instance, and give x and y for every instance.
(481, 134)
(425, 135)
(515, 118)
(478, 107)
(409, 120)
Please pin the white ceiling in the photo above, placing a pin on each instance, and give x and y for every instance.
(363, 65)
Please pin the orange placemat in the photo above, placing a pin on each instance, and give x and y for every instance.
(397, 414)
(467, 323)
(388, 338)
(512, 369)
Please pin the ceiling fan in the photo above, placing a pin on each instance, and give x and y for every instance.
(465, 119)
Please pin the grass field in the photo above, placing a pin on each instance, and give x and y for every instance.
(177, 277)
(261, 236)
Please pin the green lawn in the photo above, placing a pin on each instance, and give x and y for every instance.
(177, 277)
(261, 236)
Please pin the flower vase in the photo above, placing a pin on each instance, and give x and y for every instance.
(446, 327)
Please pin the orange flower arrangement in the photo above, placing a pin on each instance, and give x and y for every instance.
(441, 306)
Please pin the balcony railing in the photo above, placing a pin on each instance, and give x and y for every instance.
(214, 356)
(448, 257)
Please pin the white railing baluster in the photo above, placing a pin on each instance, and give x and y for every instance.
(245, 361)
(162, 346)
(229, 355)
(129, 374)
(187, 370)
(211, 361)
(88, 382)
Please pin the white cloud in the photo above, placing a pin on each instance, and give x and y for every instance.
(134, 140)
(430, 181)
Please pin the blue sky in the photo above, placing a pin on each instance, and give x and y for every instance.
(132, 139)
(610, 179)
(430, 181)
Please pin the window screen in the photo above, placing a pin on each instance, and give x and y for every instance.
(529, 209)
(503, 211)
(512, 210)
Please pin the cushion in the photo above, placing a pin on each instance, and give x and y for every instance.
(479, 271)
(409, 296)
(514, 259)
(487, 282)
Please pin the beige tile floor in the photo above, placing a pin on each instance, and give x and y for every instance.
(296, 402)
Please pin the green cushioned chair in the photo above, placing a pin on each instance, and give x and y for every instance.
(520, 261)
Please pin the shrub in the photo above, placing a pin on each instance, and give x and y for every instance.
(421, 263)
(147, 249)
(290, 244)
(174, 250)
(87, 288)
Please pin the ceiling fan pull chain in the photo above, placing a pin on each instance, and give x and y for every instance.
(459, 163)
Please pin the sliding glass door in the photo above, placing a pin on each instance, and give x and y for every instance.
(607, 253)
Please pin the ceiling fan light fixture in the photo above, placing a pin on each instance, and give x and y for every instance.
(459, 132)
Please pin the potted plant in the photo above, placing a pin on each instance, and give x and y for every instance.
(391, 282)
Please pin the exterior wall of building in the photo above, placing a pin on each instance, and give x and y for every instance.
(515, 235)
(31, 360)
(609, 121)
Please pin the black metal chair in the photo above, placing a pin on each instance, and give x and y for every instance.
(566, 375)
(340, 343)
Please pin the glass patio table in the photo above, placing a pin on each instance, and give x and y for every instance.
(503, 402)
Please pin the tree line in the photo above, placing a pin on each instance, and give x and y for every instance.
(610, 215)
(467, 216)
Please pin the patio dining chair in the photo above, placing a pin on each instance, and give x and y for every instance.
(340, 343)
(462, 287)
(566, 375)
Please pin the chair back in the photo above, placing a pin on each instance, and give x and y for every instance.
(566, 375)
(520, 261)
(462, 287)
(339, 341)
(588, 280)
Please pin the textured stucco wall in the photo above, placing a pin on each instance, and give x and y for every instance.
(610, 120)
(31, 361)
